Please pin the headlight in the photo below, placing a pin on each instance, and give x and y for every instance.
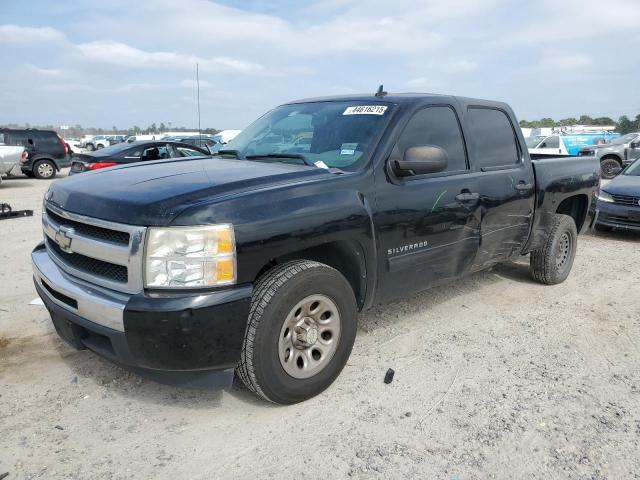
(605, 197)
(190, 257)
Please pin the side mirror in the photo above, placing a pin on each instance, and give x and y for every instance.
(616, 170)
(420, 160)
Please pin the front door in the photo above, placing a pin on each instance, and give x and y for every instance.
(506, 185)
(427, 225)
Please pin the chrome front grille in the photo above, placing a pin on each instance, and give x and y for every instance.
(626, 200)
(103, 253)
(91, 230)
(106, 270)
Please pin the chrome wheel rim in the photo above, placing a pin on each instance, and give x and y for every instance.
(45, 170)
(309, 336)
(564, 250)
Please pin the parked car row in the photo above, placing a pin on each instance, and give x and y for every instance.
(97, 142)
(142, 151)
(615, 155)
(46, 151)
(612, 150)
(10, 157)
(618, 204)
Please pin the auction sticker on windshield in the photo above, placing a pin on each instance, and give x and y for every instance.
(365, 110)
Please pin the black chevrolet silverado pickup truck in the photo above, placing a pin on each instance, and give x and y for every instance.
(258, 259)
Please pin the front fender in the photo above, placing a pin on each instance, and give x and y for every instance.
(277, 223)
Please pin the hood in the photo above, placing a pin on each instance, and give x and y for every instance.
(624, 185)
(153, 193)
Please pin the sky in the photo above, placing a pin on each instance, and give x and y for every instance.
(124, 63)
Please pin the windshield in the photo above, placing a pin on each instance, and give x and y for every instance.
(633, 169)
(532, 142)
(629, 137)
(338, 134)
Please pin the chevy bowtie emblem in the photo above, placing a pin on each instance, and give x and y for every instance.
(64, 237)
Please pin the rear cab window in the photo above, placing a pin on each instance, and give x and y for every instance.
(494, 137)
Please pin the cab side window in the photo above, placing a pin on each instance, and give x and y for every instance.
(494, 138)
(438, 126)
(551, 142)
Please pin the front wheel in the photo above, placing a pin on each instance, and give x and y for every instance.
(44, 169)
(551, 264)
(302, 326)
(608, 167)
(90, 147)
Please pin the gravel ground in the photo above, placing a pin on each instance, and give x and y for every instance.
(496, 377)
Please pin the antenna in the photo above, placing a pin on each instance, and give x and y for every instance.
(380, 92)
(198, 85)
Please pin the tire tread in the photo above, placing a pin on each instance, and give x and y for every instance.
(266, 288)
(542, 261)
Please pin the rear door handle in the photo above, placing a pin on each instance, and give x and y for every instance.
(523, 186)
(467, 196)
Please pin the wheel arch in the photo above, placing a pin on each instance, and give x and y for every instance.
(345, 256)
(40, 158)
(611, 156)
(576, 207)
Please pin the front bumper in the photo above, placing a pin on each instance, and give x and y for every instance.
(625, 217)
(186, 338)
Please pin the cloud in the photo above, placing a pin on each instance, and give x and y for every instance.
(558, 61)
(556, 22)
(45, 72)
(108, 67)
(119, 54)
(423, 83)
(30, 35)
(193, 84)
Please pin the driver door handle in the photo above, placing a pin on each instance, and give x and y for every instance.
(467, 196)
(523, 186)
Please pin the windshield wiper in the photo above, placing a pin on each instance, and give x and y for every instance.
(298, 156)
(235, 153)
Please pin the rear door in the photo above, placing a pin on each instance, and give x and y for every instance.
(506, 184)
(427, 225)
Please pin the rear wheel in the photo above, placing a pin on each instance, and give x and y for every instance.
(551, 264)
(608, 167)
(302, 325)
(90, 147)
(44, 169)
(99, 146)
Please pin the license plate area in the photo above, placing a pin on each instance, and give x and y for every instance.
(634, 215)
(68, 331)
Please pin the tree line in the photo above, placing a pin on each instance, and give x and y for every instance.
(623, 125)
